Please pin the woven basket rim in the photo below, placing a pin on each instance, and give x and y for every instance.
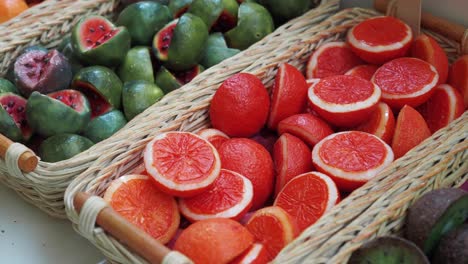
(95, 174)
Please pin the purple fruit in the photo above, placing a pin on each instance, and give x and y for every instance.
(45, 72)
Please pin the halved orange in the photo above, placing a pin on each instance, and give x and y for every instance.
(365, 71)
(181, 163)
(229, 197)
(214, 136)
(351, 158)
(138, 200)
(307, 197)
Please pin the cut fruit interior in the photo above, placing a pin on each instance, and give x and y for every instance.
(137, 199)
(214, 136)
(381, 123)
(444, 106)
(363, 71)
(406, 81)
(309, 128)
(380, 39)
(182, 163)
(333, 58)
(72, 98)
(292, 158)
(344, 100)
(307, 197)
(95, 31)
(289, 96)
(99, 104)
(351, 158)
(162, 40)
(274, 228)
(230, 196)
(15, 106)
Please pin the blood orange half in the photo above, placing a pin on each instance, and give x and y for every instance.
(214, 136)
(289, 96)
(381, 123)
(406, 81)
(351, 158)
(444, 106)
(427, 49)
(181, 163)
(458, 77)
(137, 199)
(217, 240)
(333, 58)
(380, 39)
(256, 254)
(364, 71)
(274, 228)
(229, 197)
(309, 128)
(307, 197)
(344, 100)
(291, 157)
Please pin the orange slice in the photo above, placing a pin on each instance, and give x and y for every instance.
(138, 200)
(427, 49)
(309, 128)
(381, 123)
(229, 197)
(351, 158)
(214, 136)
(380, 39)
(307, 197)
(181, 163)
(256, 254)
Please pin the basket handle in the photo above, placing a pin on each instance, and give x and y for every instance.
(139, 241)
(27, 161)
(449, 29)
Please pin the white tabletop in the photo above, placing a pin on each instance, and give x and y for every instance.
(27, 235)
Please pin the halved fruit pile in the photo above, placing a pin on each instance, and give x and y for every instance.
(272, 165)
(107, 73)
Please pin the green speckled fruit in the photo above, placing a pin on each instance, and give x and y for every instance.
(283, 11)
(65, 111)
(63, 146)
(7, 87)
(137, 65)
(13, 122)
(143, 20)
(139, 95)
(179, 7)
(105, 126)
(216, 50)
(254, 23)
(102, 87)
(97, 41)
(180, 44)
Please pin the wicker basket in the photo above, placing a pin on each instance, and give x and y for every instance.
(45, 186)
(374, 209)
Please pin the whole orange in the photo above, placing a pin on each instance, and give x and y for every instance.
(240, 106)
(11, 8)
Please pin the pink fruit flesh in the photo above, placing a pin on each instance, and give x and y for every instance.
(72, 98)
(99, 104)
(96, 32)
(187, 76)
(165, 38)
(224, 23)
(15, 106)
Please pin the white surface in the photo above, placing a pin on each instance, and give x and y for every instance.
(27, 235)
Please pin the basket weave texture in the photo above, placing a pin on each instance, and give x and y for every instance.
(376, 208)
(45, 186)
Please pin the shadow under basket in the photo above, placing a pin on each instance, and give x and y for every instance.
(46, 24)
(377, 208)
